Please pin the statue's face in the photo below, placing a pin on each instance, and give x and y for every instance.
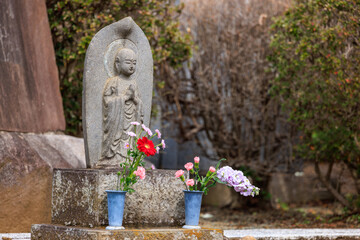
(125, 61)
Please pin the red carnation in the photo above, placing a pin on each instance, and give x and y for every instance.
(146, 146)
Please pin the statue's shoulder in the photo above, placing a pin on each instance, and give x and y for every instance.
(111, 81)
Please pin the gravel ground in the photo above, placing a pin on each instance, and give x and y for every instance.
(311, 216)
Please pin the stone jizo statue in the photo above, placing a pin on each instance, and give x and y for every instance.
(118, 84)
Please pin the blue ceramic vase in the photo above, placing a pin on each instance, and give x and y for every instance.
(192, 209)
(116, 203)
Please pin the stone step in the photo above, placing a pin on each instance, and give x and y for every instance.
(259, 234)
(46, 231)
(290, 234)
(15, 236)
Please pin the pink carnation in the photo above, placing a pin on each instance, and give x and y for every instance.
(140, 172)
(196, 159)
(146, 129)
(190, 182)
(158, 133)
(179, 173)
(149, 132)
(212, 169)
(131, 134)
(189, 166)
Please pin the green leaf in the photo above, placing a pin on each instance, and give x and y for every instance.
(218, 164)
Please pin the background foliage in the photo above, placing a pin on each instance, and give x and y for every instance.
(221, 97)
(74, 22)
(316, 55)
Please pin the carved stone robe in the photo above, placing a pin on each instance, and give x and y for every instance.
(121, 106)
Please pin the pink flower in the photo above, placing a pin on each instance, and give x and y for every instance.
(196, 159)
(135, 123)
(189, 166)
(190, 182)
(158, 133)
(131, 134)
(149, 132)
(153, 167)
(179, 173)
(144, 127)
(140, 172)
(212, 169)
(127, 145)
(163, 143)
(157, 149)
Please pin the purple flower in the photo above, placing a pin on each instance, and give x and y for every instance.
(135, 123)
(247, 192)
(240, 188)
(131, 134)
(127, 145)
(158, 133)
(163, 144)
(236, 179)
(224, 173)
(157, 149)
(247, 189)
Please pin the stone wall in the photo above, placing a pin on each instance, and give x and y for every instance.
(30, 103)
(29, 85)
(26, 165)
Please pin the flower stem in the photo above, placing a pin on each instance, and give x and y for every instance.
(118, 183)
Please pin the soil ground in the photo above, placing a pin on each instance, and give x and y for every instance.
(313, 215)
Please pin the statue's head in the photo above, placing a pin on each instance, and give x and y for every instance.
(125, 61)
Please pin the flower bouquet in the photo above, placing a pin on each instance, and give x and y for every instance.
(132, 168)
(198, 185)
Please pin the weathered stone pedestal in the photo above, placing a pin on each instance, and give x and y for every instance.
(79, 208)
(79, 198)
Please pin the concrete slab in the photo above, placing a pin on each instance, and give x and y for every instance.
(54, 232)
(282, 234)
